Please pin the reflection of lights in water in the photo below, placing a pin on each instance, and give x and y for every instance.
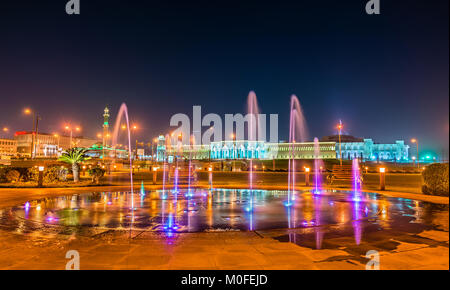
(170, 227)
(356, 223)
(316, 191)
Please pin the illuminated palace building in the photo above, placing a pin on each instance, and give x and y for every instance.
(363, 149)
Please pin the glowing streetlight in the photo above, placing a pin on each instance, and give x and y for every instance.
(307, 169)
(340, 126)
(414, 140)
(382, 178)
(70, 129)
(28, 111)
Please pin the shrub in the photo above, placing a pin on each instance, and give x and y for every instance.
(435, 177)
(96, 173)
(13, 176)
(62, 173)
(3, 172)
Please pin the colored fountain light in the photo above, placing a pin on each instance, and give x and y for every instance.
(297, 132)
(123, 111)
(253, 111)
(142, 188)
(318, 166)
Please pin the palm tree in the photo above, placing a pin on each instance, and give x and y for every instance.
(75, 156)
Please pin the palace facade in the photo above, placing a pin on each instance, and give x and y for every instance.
(366, 150)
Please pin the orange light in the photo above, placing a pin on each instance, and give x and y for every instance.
(307, 169)
(413, 140)
(382, 170)
(210, 169)
(27, 111)
(55, 135)
(77, 129)
(5, 129)
(124, 127)
(99, 135)
(67, 128)
(134, 127)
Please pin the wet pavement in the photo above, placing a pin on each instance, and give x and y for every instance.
(224, 229)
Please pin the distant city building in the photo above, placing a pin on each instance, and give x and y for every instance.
(364, 149)
(367, 150)
(8, 149)
(370, 151)
(244, 149)
(47, 145)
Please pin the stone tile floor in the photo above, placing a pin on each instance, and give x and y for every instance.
(225, 250)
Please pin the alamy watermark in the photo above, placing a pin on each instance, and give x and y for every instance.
(372, 7)
(374, 260)
(211, 127)
(73, 7)
(74, 262)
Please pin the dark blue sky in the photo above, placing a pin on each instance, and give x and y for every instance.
(385, 76)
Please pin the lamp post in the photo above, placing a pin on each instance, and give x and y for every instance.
(210, 169)
(155, 171)
(414, 140)
(340, 150)
(382, 178)
(70, 129)
(41, 176)
(35, 130)
(307, 176)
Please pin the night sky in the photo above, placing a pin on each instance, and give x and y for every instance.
(386, 76)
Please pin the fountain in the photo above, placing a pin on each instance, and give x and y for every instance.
(165, 165)
(356, 179)
(253, 111)
(142, 188)
(297, 132)
(318, 165)
(124, 111)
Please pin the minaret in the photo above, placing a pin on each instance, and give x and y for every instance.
(105, 127)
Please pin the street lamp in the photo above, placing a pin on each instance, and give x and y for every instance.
(414, 140)
(307, 170)
(35, 120)
(5, 130)
(340, 126)
(70, 129)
